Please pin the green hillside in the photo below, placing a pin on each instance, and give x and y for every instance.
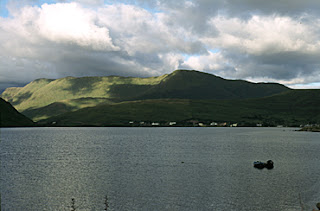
(63, 106)
(44, 98)
(43, 92)
(291, 109)
(184, 84)
(10, 117)
(122, 113)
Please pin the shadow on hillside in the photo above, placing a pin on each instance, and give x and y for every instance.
(83, 85)
(45, 112)
(20, 98)
(127, 91)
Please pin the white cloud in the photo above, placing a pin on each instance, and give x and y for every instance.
(272, 48)
(138, 30)
(69, 39)
(212, 61)
(91, 2)
(70, 23)
(264, 34)
(67, 24)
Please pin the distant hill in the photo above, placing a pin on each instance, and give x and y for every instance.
(10, 117)
(44, 98)
(184, 84)
(43, 92)
(292, 108)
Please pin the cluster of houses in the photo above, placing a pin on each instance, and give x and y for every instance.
(194, 123)
(310, 125)
(199, 123)
(133, 123)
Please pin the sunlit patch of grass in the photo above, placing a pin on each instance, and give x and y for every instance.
(57, 108)
(43, 92)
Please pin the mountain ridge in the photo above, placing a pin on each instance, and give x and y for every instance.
(208, 86)
(56, 96)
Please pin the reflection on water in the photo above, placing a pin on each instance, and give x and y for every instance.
(157, 169)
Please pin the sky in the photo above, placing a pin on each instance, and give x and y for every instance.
(254, 40)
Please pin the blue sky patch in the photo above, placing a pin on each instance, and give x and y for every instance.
(5, 13)
(3, 9)
(215, 50)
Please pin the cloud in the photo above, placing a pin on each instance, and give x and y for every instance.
(73, 25)
(240, 8)
(253, 40)
(111, 40)
(91, 2)
(265, 34)
(281, 7)
(277, 48)
(138, 30)
(212, 62)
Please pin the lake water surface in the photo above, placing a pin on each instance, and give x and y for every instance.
(158, 169)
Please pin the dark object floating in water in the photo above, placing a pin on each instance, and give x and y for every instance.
(261, 165)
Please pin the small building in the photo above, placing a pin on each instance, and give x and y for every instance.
(213, 124)
(155, 124)
(222, 124)
(172, 123)
(201, 124)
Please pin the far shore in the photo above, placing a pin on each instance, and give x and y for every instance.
(311, 128)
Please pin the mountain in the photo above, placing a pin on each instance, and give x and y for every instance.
(184, 84)
(44, 98)
(72, 92)
(291, 108)
(10, 117)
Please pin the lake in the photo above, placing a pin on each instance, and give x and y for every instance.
(158, 169)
